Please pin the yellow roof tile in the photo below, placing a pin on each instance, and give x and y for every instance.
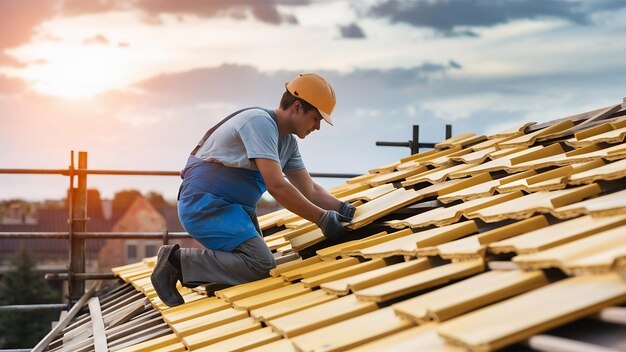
(408, 245)
(604, 244)
(530, 138)
(396, 175)
(352, 270)
(207, 321)
(346, 247)
(382, 206)
(348, 189)
(492, 142)
(321, 315)
(299, 230)
(434, 189)
(299, 263)
(444, 160)
(446, 216)
(318, 268)
(420, 338)
(244, 341)
(585, 295)
(283, 345)
(557, 234)
(550, 180)
(420, 281)
(612, 137)
(369, 194)
(512, 131)
(543, 202)
(608, 172)
(606, 205)
(344, 286)
(450, 142)
(250, 288)
(220, 333)
(269, 297)
(153, 344)
(362, 178)
(469, 294)
(437, 175)
(611, 259)
(508, 162)
(194, 309)
(474, 247)
(484, 189)
(475, 157)
(291, 305)
(352, 332)
(307, 239)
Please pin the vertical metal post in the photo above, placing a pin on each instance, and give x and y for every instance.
(78, 223)
(166, 237)
(448, 131)
(416, 140)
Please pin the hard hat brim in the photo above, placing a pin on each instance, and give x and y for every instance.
(326, 117)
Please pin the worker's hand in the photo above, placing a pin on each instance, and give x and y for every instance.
(346, 209)
(330, 224)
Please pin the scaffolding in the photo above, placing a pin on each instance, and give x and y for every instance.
(77, 232)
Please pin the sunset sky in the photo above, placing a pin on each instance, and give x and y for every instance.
(136, 83)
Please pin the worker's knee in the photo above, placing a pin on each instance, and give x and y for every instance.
(263, 264)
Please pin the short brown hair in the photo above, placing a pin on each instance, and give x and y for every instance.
(288, 99)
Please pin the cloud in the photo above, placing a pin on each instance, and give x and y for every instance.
(20, 19)
(237, 83)
(264, 11)
(96, 40)
(352, 31)
(446, 16)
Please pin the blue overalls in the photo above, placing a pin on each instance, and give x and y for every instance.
(217, 203)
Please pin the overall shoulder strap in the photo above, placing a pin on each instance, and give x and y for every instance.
(212, 129)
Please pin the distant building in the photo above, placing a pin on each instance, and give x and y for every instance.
(101, 254)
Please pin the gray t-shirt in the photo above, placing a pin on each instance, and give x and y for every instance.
(248, 135)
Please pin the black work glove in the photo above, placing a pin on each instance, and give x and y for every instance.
(346, 209)
(330, 224)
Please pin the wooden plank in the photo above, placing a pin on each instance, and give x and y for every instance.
(97, 326)
(70, 315)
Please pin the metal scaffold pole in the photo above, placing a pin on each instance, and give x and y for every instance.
(78, 223)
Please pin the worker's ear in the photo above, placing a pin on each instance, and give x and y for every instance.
(297, 106)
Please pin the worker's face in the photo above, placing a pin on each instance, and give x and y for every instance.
(306, 122)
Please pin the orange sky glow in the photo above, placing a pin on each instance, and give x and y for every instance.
(137, 82)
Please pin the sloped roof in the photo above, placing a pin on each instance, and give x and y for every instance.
(479, 244)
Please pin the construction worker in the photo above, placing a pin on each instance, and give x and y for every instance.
(236, 161)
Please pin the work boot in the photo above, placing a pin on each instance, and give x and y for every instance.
(165, 276)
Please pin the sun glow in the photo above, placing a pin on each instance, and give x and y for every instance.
(80, 73)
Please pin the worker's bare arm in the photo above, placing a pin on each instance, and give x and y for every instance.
(285, 193)
(311, 190)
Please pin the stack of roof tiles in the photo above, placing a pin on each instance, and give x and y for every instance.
(481, 243)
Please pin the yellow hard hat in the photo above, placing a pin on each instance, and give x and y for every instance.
(314, 90)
